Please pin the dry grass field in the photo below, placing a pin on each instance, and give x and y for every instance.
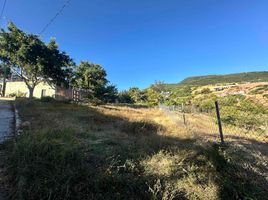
(69, 151)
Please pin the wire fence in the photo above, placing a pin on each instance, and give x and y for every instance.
(224, 118)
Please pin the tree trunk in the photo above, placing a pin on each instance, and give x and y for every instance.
(4, 87)
(31, 90)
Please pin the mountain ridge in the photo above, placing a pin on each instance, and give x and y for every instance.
(256, 76)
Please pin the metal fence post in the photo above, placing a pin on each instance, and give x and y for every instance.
(184, 119)
(219, 121)
(183, 114)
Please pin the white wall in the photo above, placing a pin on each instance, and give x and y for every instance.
(20, 87)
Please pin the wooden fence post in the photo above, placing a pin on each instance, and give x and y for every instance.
(219, 121)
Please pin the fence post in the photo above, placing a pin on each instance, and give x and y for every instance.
(183, 114)
(219, 121)
(184, 119)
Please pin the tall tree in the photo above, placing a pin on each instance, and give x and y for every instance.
(33, 60)
(90, 76)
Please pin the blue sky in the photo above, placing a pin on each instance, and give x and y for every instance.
(140, 41)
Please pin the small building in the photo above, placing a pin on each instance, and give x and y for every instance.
(43, 89)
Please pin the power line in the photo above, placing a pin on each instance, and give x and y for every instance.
(54, 18)
(3, 8)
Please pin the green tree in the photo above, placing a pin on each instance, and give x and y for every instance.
(33, 60)
(135, 94)
(90, 76)
(125, 97)
(107, 93)
(153, 97)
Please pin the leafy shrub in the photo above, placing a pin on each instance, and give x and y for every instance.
(205, 103)
(206, 91)
(244, 114)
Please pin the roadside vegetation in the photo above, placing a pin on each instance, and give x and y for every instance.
(70, 151)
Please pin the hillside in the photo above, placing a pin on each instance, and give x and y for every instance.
(228, 78)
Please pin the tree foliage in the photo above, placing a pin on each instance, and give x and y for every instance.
(33, 60)
(4, 71)
(92, 77)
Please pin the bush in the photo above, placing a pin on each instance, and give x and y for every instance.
(206, 91)
(17, 94)
(47, 99)
(49, 165)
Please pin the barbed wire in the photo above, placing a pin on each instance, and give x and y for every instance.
(55, 17)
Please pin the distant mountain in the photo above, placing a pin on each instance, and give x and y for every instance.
(228, 78)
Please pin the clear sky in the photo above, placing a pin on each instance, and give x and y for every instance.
(140, 41)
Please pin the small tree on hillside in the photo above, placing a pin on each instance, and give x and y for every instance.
(32, 60)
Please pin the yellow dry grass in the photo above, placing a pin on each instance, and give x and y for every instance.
(150, 115)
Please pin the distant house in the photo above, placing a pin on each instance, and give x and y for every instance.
(43, 89)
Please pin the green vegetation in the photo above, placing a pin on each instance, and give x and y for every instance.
(236, 111)
(157, 94)
(220, 79)
(33, 60)
(92, 78)
(259, 90)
